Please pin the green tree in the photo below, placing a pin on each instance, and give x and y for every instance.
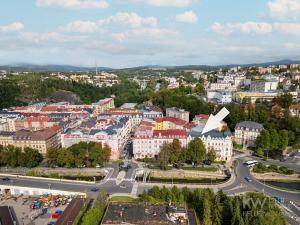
(196, 151)
(285, 100)
(273, 139)
(211, 156)
(263, 140)
(32, 157)
(207, 217)
(217, 210)
(283, 139)
(52, 157)
(92, 217)
(175, 151)
(164, 156)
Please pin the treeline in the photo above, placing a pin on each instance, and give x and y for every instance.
(195, 153)
(271, 143)
(95, 215)
(261, 168)
(219, 209)
(24, 89)
(14, 157)
(82, 154)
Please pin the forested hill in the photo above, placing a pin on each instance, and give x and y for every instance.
(25, 89)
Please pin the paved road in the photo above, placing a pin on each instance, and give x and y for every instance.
(288, 163)
(127, 185)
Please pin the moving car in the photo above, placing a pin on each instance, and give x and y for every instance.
(248, 179)
(94, 189)
(5, 179)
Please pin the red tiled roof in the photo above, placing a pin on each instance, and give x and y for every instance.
(147, 123)
(189, 125)
(202, 116)
(172, 120)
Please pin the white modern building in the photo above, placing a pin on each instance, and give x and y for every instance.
(219, 97)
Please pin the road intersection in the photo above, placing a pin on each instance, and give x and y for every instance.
(124, 183)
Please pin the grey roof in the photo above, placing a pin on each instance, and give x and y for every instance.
(249, 125)
(6, 133)
(197, 132)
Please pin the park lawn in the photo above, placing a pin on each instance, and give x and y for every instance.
(122, 199)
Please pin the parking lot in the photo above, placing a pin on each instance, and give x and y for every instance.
(23, 209)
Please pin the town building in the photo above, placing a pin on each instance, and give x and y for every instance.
(246, 133)
(220, 141)
(148, 142)
(115, 135)
(178, 113)
(263, 96)
(219, 97)
(264, 85)
(103, 105)
(40, 140)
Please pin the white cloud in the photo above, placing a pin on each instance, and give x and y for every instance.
(13, 27)
(119, 20)
(187, 17)
(80, 27)
(284, 9)
(145, 33)
(42, 38)
(175, 3)
(246, 28)
(129, 20)
(74, 4)
(288, 28)
(163, 3)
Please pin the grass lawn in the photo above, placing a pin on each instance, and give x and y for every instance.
(205, 169)
(122, 199)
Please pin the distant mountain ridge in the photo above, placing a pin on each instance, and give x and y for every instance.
(50, 68)
(70, 68)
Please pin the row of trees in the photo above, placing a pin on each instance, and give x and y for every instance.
(196, 153)
(271, 140)
(13, 157)
(219, 209)
(79, 155)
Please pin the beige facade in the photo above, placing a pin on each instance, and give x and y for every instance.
(41, 140)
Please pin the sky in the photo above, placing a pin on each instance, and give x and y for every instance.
(127, 33)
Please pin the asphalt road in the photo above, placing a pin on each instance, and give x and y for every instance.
(126, 186)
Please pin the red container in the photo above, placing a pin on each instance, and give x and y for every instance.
(55, 216)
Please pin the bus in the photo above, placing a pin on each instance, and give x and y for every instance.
(250, 163)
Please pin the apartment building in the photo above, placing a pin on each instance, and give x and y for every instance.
(115, 135)
(148, 144)
(220, 141)
(103, 105)
(178, 113)
(246, 133)
(40, 140)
